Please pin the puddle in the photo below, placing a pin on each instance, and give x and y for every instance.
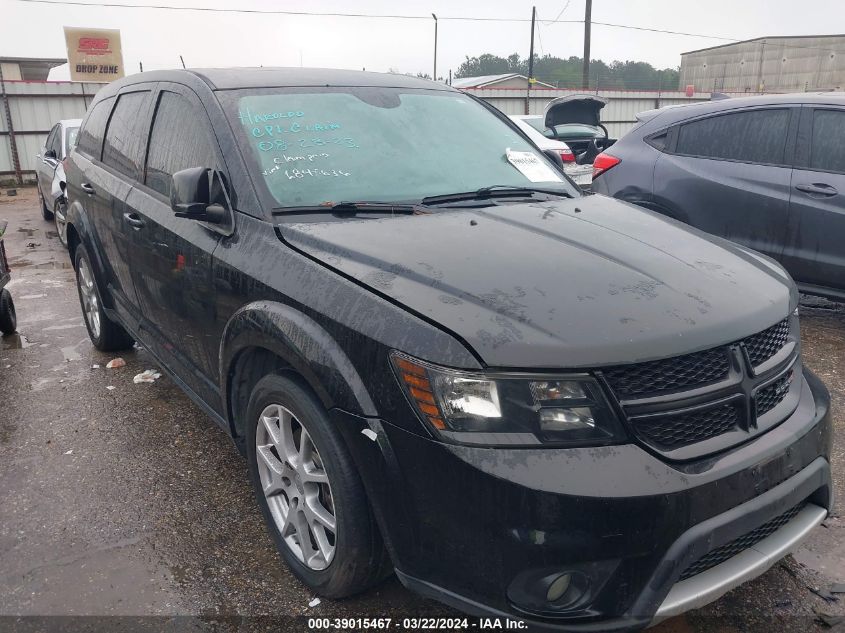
(15, 341)
(29, 232)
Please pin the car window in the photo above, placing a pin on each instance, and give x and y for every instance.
(123, 149)
(55, 141)
(48, 142)
(757, 136)
(92, 130)
(70, 138)
(827, 148)
(179, 139)
(311, 146)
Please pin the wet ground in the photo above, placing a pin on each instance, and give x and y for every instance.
(119, 499)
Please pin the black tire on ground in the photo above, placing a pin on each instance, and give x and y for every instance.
(8, 317)
(60, 217)
(360, 559)
(112, 337)
(45, 212)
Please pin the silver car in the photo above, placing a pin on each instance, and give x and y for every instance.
(51, 174)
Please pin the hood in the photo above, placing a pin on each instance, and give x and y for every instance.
(577, 108)
(562, 284)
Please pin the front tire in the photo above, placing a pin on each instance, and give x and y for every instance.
(105, 334)
(60, 216)
(45, 211)
(310, 492)
(8, 316)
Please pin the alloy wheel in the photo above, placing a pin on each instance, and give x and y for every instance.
(60, 215)
(90, 299)
(296, 486)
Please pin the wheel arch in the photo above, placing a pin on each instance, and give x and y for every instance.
(268, 337)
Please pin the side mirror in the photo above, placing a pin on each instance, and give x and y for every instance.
(193, 195)
(50, 153)
(554, 157)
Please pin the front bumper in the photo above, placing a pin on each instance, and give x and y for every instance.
(462, 523)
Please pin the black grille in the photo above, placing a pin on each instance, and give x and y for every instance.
(729, 550)
(681, 430)
(761, 347)
(672, 373)
(769, 397)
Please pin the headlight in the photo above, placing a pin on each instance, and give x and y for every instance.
(509, 409)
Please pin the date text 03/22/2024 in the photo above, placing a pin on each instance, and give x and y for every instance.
(415, 624)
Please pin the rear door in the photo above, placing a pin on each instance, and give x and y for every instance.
(110, 182)
(815, 251)
(172, 270)
(729, 174)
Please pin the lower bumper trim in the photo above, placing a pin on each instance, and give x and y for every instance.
(709, 585)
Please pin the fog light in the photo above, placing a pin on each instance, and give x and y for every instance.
(558, 587)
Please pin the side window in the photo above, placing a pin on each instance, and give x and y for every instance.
(756, 136)
(55, 141)
(48, 142)
(91, 134)
(180, 138)
(827, 148)
(124, 146)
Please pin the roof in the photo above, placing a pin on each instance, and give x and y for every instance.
(671, 114)
(767, 39)
(34, 68)
(485, 81)
(231, 78)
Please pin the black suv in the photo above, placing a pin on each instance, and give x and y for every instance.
(438, 355)
(766, 171)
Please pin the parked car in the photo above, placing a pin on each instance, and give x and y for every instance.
(767, 172)
(438, 355)
(581, 174)
(576, 120)
(50, 173)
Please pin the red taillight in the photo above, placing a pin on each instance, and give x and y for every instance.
(602, 163)
(566, 155)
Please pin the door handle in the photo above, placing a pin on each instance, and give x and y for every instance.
(818, 189)
(87, 188)
(134, 220)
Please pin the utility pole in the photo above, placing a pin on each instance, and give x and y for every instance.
(434, 76)
(585, 73)
(530, 63)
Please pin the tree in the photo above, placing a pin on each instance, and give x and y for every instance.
(566, 73)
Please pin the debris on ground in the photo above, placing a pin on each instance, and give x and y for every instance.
(314, 602)
(837, 587)
(150, 375)
(110, 387)
(11, 192)
(370, 434)
(115, 363)
(33, 244)
(95, 366)
(70, 452)
(824, 594)
(829, 620)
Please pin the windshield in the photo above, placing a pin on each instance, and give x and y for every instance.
(70, 139)
(312, 146)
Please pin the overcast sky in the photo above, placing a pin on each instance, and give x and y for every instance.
(158, 37)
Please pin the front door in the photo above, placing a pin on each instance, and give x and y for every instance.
(172, 269)
(815, 252)
(46, 165)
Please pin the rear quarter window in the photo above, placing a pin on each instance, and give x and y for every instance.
(757, 136)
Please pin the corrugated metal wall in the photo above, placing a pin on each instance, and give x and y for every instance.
(35, 107)
(619, 115)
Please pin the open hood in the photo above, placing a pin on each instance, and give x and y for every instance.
(577, 108)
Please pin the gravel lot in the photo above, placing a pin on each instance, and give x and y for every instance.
(131, 502)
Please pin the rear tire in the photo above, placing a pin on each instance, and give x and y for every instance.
(105, 334)
(8, 316)
(60, 216)
(282, 417)
(45, 212)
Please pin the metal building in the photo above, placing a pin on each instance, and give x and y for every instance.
(768, 64)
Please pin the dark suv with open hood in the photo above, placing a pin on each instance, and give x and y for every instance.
(439, 356)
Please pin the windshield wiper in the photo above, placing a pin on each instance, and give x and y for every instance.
(495, 191)
(354, 207)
